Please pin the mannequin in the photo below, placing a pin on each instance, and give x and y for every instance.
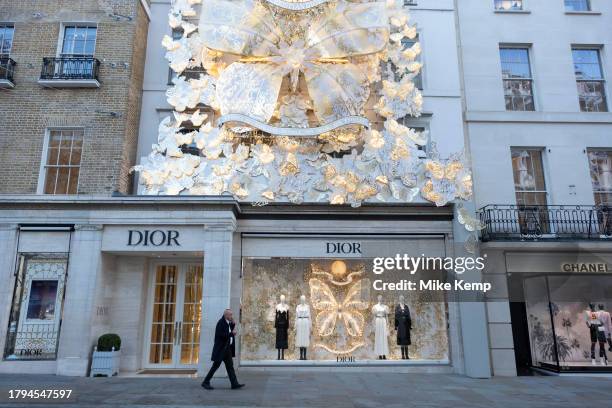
(381, 333)
(604, 316)
(598, 334)
(403, 325)
(281, 323)
(302, 327)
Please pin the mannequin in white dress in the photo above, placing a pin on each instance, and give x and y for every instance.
(380, 312)
(281, 323)
(302, 326)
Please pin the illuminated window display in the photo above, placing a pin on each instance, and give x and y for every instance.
(569, 321)
(327, 310)
(35, 318)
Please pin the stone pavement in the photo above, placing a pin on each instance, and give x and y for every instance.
(320, 389)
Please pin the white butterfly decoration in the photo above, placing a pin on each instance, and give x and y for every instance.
(471, 223)
(209, 140)
(178, 54)
(182, 95)
(399, 99)
(405, 132)
(330, 310)
(184, 8)
(195, 118)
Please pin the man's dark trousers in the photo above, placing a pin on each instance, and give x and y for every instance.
(229, 366)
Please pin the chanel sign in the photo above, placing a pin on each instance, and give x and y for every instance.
(586, 267)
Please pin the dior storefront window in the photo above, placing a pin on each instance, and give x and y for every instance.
(322, 310)
(36, 309)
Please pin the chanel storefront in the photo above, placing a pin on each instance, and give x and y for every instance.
(558, 296)
(159, 271)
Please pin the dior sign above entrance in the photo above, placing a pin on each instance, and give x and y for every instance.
(155, 238)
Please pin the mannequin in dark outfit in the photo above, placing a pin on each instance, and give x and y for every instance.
(281, 323)
(403, 325)
(598, 334)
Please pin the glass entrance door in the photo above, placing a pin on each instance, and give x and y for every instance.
(175, 313)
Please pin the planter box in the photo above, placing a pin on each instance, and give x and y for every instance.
(105, 363)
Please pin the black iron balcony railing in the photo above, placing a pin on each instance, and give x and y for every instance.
(542, 222)
(7, 68)
(70, 68)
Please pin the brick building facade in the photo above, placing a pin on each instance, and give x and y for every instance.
(99, 103)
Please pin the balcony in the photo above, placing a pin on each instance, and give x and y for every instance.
(545, 223)
(7, 68)
(70, 72)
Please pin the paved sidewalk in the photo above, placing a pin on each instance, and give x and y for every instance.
(310, 389)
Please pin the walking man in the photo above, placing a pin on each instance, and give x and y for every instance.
(224, 350)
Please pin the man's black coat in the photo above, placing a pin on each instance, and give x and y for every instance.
(222, 340)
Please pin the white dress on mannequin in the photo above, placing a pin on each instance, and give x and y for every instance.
(381, 329)
(302, 326)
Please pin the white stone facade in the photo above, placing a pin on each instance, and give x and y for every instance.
(556, 127)
(107, 284)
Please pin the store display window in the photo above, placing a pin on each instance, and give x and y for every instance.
(34, 324)
(327, 310)
(568, 318)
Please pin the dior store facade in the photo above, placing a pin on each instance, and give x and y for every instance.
(159, 271)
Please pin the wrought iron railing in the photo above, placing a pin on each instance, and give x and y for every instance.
(541, 222)
(31, 342)
(7, 68)
(70, 68)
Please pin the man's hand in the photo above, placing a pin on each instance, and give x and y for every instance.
(234, 332)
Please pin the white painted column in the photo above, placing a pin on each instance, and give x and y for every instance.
(8, 250)
(84, 265)
(473, 315)
(216, 286)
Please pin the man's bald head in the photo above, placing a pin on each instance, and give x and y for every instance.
(228, 314)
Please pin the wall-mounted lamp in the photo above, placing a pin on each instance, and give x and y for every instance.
(118, 17)
(112, 114)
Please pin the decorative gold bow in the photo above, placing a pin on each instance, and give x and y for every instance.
(251, 85)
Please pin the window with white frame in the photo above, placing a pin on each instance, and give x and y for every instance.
(408, 43)
(590, 80)
(6, 39)
(530, 191)
(62, 162)
(508, 5)
(528, 170)
(577, 5)
(518, 81)
(79, 41)
(600, 166)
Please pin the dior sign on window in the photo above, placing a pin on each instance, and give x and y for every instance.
(153, 238)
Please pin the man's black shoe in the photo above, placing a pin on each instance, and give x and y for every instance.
(235, 387)
(207, 386)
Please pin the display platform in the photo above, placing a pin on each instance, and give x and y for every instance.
(334, 363)
(577, 367)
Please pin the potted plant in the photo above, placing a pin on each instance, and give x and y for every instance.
(105, 360)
